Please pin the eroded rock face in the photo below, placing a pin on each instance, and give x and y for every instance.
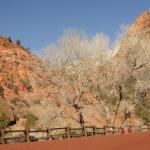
(141, 23)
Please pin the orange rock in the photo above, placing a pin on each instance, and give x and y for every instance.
(142, 22)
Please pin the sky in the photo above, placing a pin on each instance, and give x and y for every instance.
(37, 23)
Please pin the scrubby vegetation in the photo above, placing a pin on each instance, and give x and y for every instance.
(83, 64)
(4, 121)
(143, 110)
(18, 42)
(30, 121)
(26, 83)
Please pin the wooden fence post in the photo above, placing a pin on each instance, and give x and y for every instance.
(68, 132)
(94, 130)
(140, 128)
(84, 131)
(2, 136)
(148, 127)
(113, 132)
(104, 130)
(49, 137)
(27, 136)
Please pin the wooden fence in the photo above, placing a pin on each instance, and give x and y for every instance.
(20, 136)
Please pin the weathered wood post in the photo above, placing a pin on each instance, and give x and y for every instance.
(104, 130)
(94, 130)
(2, 136)
(148, 127)
(27, 136)
(140, 128)
(113, 130)
(49, 136)
(84, 131)
(68, 132)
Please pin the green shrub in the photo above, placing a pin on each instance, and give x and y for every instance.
(143, 110)
(4, 121)
(30, 121)
(26, 83)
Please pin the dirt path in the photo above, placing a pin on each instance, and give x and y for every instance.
(138, 141)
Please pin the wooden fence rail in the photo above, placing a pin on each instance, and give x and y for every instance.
(18, 136)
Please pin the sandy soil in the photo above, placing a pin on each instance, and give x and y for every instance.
(137, 141)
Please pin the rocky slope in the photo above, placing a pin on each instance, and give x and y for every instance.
(30, 90)
(33, 93)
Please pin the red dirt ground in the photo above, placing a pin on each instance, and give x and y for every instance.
(137, 141)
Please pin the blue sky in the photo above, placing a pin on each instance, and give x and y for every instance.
(39, 22)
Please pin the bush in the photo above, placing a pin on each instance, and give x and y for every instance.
(18, 42)
(26, 83)
(4, 121)
(143, 111)
(30, 121)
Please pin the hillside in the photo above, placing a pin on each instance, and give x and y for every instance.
(31, 91)
(131, 67)
(34, 93)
